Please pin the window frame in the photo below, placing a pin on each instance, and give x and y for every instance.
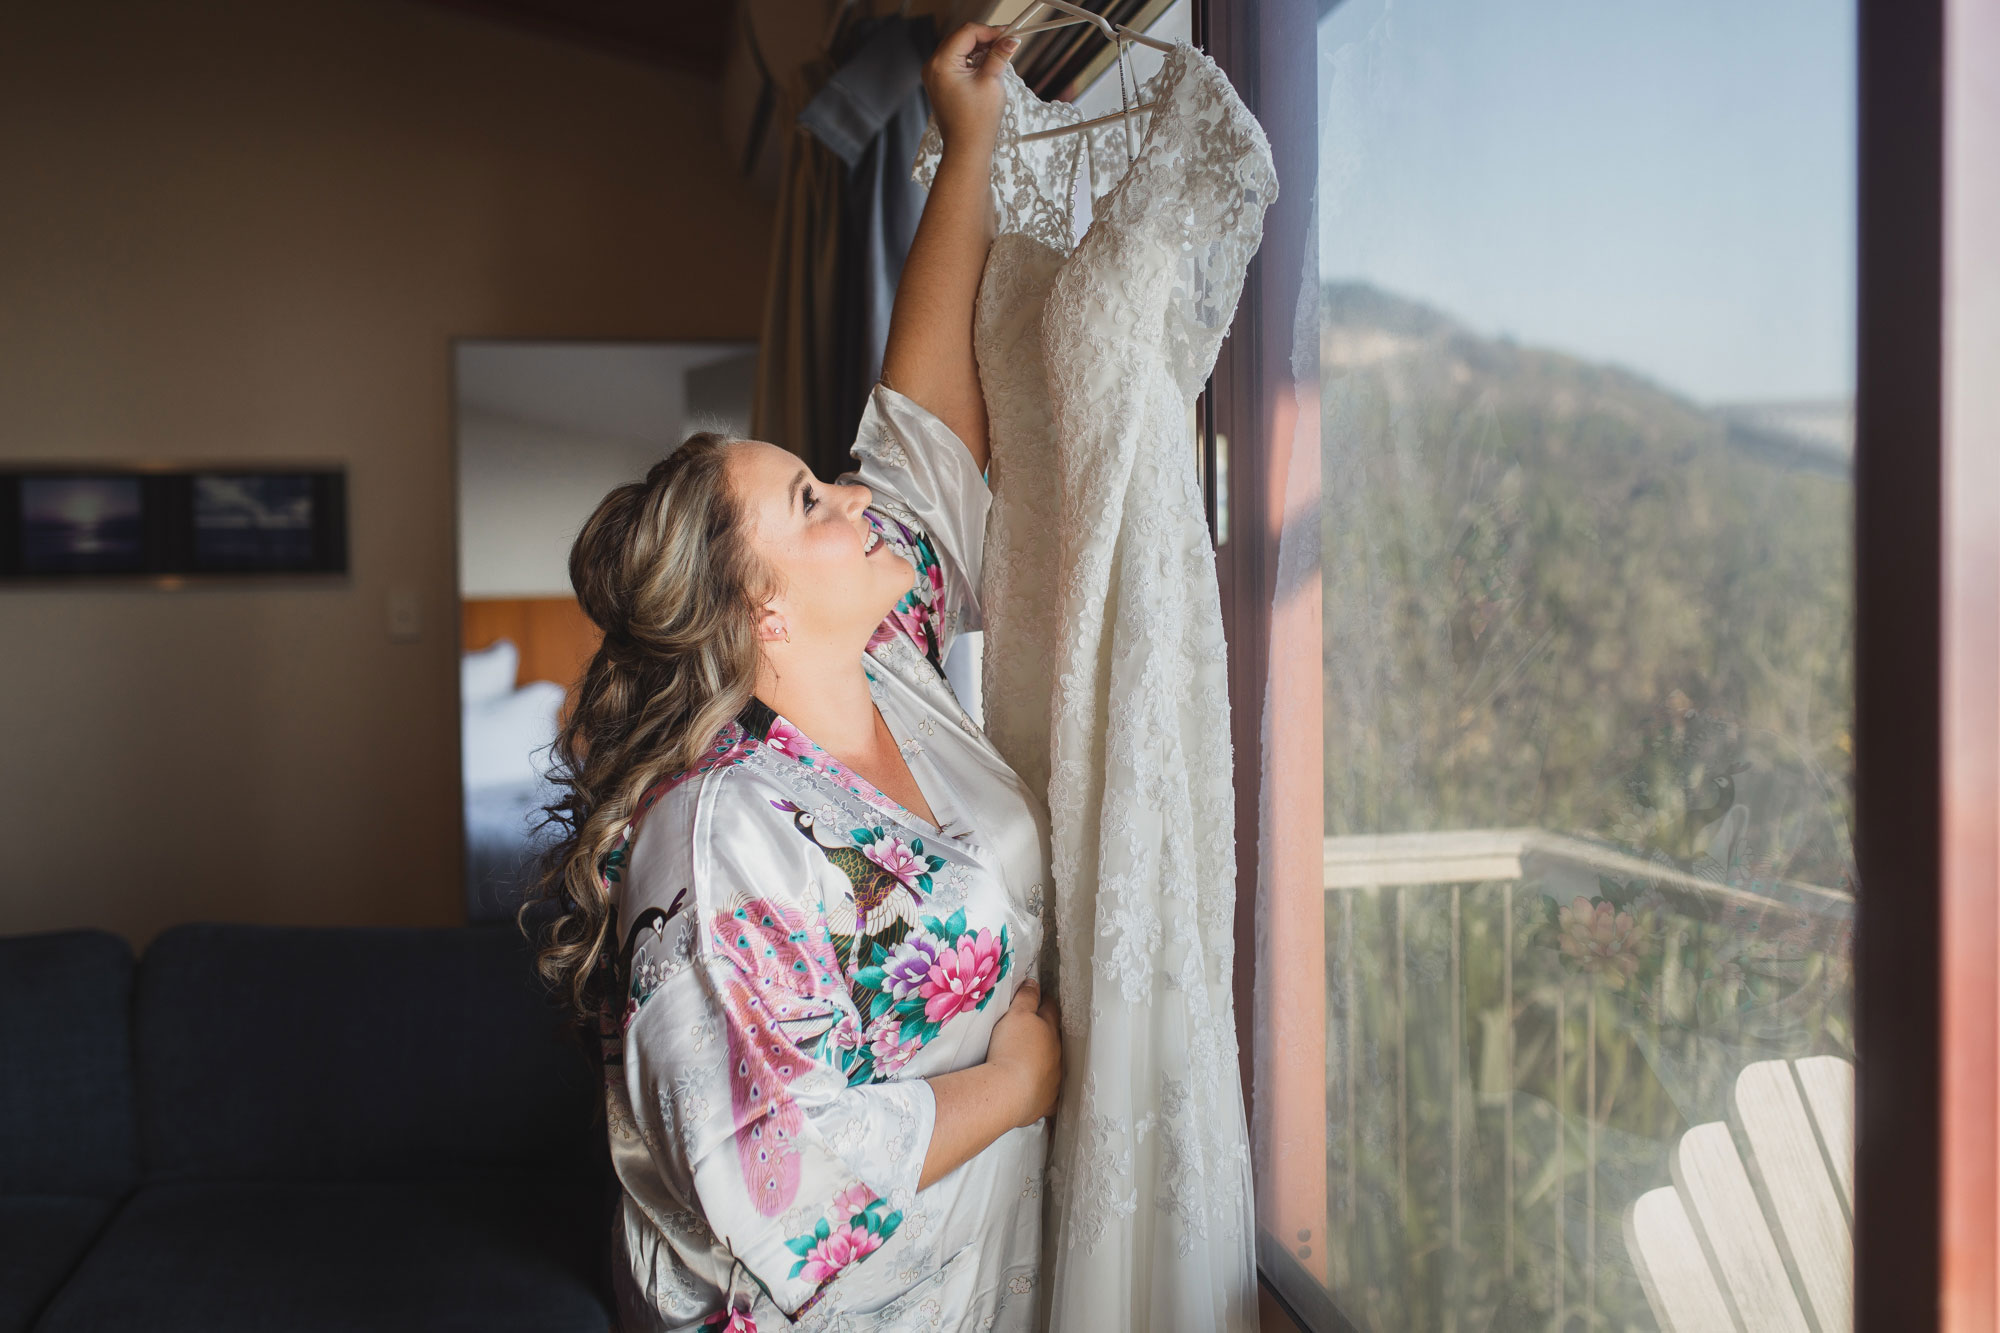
(1898, 655)
(1904, 554)
(1970, 704)
(1255, 402)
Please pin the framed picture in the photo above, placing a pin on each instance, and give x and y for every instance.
(113, 523)
(268, 523)
(81, 524)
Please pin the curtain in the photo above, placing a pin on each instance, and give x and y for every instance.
(847, 212)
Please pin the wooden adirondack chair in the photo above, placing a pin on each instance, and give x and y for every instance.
(1759, 1236)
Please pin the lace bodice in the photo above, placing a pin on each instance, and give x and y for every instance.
(1032, 182)
(1016, 676)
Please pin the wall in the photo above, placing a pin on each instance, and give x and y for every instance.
(546, 429)
(524, 492)
(233, 231)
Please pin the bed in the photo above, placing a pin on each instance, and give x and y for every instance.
(519, 655)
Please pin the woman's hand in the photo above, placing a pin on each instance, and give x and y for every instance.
(1014, 1087)
(1027, 1044)
(963, 80)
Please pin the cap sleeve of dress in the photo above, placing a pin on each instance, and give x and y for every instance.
(1198, 189)
(925, 482)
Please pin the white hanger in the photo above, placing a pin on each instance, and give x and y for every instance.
(1060, 130)
(1077, 14)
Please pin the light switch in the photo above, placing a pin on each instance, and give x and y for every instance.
(406, 614)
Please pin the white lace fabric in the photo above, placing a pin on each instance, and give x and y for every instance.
(1105, 676)
(1031, 181)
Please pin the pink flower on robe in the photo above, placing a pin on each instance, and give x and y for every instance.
(787, 739)
(852, 1200)
(962, 976)
(843, 1247)
(895, 856)
(891, 1054)
(731, 1321)
(846, 1034)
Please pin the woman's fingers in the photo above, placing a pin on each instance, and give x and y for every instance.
(967, 37)
(965, 47)
(966, 96)
(989, 67)
(1028, 996)
(972, 43)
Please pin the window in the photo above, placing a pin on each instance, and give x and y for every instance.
(1561, 1034)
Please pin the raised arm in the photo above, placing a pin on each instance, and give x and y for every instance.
(929, 357)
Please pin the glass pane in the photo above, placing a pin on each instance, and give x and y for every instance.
(1586, 340)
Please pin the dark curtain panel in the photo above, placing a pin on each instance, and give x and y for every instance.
(792, 406)
(846, 217)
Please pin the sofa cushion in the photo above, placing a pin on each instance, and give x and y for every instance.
(66, 1118)
(41, 1240)
(355, 1054)
(486, 1255)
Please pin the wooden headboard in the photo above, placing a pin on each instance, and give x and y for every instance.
(555, 637)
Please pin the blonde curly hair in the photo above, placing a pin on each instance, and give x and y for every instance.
(664, 569)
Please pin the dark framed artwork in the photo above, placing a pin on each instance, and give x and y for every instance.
(81, 524)
(267, 522)
(75, 523)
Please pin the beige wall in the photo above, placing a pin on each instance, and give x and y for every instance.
(251, 230)
(524, 492)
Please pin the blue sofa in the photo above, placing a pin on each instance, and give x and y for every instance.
(295, 1129)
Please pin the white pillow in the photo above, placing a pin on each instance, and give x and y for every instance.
(962, 670)
(506, 742)
(489, 673)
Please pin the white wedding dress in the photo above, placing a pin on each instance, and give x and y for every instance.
(1105, 680)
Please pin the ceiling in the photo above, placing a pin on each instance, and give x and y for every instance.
(677, 34)
(634, 392)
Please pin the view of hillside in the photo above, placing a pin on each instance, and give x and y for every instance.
(1560, 596)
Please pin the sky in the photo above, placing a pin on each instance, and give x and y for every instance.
(1664, 184)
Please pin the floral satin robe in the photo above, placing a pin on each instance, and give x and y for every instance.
(799, 952)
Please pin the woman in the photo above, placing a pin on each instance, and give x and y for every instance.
(799, 883)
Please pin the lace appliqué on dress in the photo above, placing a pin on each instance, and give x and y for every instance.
(1032, 182)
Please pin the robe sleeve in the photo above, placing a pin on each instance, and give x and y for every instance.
(931, 501)
(798, 1175)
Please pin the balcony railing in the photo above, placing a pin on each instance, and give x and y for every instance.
(1520, 1025)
